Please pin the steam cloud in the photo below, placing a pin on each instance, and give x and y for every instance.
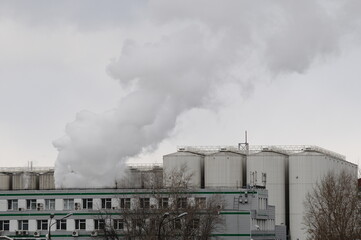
(203, 45)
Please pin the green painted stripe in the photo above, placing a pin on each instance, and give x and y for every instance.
(230, 235)
(213, 235)
(56, 236)
(56, 214)
(235, 213)
(242, 235)
(110, 193)
(264, 235)
(94, 214)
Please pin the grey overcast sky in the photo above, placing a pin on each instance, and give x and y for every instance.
(114, 79)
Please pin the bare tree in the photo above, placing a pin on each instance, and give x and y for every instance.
(170, 212)
(333, 208)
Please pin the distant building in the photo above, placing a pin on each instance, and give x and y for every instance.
(264, 188)
(26, 208)
(25, 214)
(287, 172)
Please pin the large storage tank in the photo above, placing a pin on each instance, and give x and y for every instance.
(270, 168)
(24, 181)
(46, 181)
(152, 178)
(305, 169)
(190, 163)
(5, 181)
(224, 169)
(132, 178)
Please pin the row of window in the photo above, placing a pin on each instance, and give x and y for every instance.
(106, 203)
(68, 204)
(80, 224)
(262, 203)
(263, 224)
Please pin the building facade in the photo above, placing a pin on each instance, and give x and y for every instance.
(287, 172)
(263, 186)
(77, 213)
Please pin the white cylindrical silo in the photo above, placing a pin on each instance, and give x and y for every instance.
(224, 169)
(131, 178)
(5, 181)
(25, 181)
(305, 170)
(190, 163)
(273, 167)
(46, 181)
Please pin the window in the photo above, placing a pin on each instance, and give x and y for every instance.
(125, 203)
(201, 202)
(99, 224)
(12, 204)
(68, 204)
(182, 202)
(23, 224)
(42, 224)
(106, 203)
(262, 203)
(4, 225)
(31, 204)
(49, 204)
(138, 223)
(80, 224)
(87, 203)
(61, 224)
(163, 202)
(118, 224)
(144, 202)
(195, 223)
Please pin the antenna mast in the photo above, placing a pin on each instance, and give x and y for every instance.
(244, 146)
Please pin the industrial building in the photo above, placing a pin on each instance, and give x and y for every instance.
(26, 214)
(287, 172)
(28, 207)
(263, 186)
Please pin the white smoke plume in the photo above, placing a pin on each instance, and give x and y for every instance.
(201, 46)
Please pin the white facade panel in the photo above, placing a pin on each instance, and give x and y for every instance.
(53, 228)
(3, 205)
(224, 169)
(97, 203)
(13, 225)
(59, 204)
(115, 203)
(192, 163)
(153, 202)
(275, 166)
(32, 225)
(22, 203)
(70, 224)
(305, 170)
(89, 224)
